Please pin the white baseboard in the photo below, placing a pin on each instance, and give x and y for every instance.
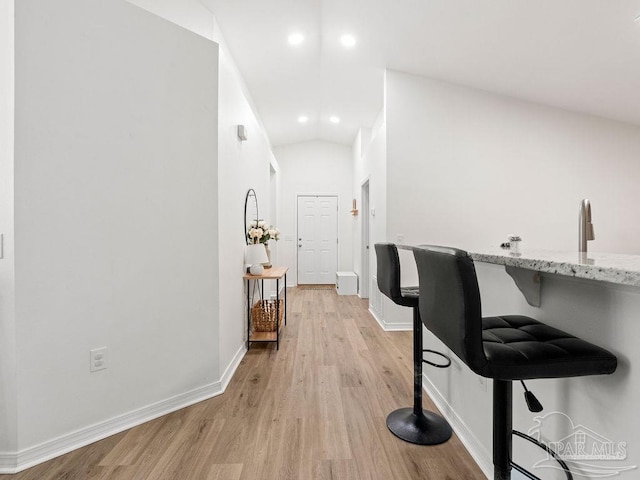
(391, 327)
(29, 457)
(8, 463)
(16, 462)
(464, 433)
(232, 367)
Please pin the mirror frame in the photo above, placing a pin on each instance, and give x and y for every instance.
(250, 193)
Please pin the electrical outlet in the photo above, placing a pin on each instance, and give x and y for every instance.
(98, 359)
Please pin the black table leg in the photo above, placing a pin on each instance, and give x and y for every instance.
(277, 314)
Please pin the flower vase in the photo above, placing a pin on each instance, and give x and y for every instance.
(268, 264)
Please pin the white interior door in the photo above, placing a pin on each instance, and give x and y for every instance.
(317, 239)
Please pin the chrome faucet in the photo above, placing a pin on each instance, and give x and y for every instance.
(585, 227)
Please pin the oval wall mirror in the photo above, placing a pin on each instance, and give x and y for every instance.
(250, 211)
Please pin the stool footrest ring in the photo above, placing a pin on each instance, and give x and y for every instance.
(555, 456)
(437, 365)
(524, 471)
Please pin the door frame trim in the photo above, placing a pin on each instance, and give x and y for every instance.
(365, 220)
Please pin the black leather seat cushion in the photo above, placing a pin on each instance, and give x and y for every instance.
(519, 347)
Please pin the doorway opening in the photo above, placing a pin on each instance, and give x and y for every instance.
(364, 244)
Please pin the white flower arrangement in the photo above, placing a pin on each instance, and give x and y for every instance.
(259, 232)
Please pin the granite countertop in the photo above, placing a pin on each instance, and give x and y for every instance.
(604, 267)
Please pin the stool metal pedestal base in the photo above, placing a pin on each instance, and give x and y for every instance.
(426, 429)
(415, 425)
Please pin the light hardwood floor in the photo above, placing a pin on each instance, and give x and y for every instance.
(315, 409)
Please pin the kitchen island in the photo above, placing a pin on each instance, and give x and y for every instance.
(525, 266)
(604, 267)
(595, 296)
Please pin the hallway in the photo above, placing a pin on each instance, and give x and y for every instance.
(315, 409)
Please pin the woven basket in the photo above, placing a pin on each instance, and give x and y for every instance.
(263, 315)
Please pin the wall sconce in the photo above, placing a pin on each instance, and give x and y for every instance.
(242, 133)
(354, 210)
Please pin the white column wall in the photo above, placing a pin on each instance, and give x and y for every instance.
(189, 14)
(116, 213)
(244, 165)
(8, 432)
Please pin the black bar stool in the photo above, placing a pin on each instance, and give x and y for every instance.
(413, 425)
(503, 348)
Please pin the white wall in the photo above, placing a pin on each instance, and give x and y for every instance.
(370, 164)
(315, 167)
(8, 433)
(467, 167)
(242, 165)
(360, 176)
(189, 14)
(116, 213)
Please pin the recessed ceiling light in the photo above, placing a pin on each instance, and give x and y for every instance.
(637, 19)
(296, 38)
(303, 119)
(334, 119)
(348, 40)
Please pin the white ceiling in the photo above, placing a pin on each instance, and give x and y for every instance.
(582, 55)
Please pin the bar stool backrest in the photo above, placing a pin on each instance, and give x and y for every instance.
(388, 271)
(450, 301)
